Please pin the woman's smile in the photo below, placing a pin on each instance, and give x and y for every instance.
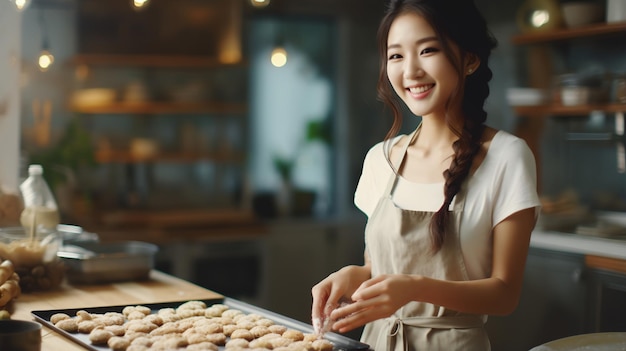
(420, 91)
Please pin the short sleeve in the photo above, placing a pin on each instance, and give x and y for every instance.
(517, 183)
(368, 190)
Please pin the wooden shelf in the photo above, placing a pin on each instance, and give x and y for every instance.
(601, 29)
(560, 110)
(156, 61)
(149, 108)
(128, 157)
(178, 218)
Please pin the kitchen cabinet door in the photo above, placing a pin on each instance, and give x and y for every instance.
(552, 305)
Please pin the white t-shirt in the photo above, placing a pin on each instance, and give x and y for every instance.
(497, 189)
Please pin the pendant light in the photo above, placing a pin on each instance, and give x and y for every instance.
(139, 5)
(21, 5)
(279, 55)
(259, 3)
(46, 59)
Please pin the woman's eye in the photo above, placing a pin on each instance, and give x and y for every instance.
(428, 51)
(394, 56)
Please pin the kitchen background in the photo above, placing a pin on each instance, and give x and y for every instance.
(170, 124)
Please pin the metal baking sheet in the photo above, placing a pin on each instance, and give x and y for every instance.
(341, 343)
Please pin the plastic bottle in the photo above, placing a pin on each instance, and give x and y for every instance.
(40, 207)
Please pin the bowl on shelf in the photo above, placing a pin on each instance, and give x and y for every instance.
(581, 13)
(86, 98)
(526, 96)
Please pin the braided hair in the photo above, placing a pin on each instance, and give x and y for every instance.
(456, 22)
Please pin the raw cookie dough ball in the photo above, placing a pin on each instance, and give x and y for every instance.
(259, 331)
(217, 339)
(265, 322)
(85, 327)
(293, 334)
(100, 336)
(237, 343)
(302, 346)
(68, 325)
(322, 345)
(118, 343)
(311, 337)
(278, 329)
(280, 341)
(55, 318)
(205, 346)
(193, 305)
(154, 319)
(229, 329)
(117, 330)
(242, 334)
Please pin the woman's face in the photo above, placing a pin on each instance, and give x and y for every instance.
(417, 67)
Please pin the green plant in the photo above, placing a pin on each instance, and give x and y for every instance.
(73, 151)
(284, 167)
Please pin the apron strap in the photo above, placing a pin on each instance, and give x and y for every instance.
(394, 339)
(391, 182)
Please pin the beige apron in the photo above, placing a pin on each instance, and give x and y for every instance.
(398, 242)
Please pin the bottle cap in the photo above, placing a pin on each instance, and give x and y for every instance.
(35, 170)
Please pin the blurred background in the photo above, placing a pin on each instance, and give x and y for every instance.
(232, 132)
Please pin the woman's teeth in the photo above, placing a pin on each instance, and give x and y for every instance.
(420, 89)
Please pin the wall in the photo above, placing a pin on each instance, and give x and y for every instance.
(10, 44)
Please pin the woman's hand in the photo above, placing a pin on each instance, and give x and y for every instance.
(338, 286)
(376, 298)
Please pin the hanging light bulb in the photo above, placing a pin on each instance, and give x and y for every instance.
(21, 5)
(260, 3)
(46, 59)
(279, 57)
(139, 5)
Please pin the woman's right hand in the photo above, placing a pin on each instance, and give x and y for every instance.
(338, 286)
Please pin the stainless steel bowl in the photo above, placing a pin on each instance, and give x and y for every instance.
(95, 263)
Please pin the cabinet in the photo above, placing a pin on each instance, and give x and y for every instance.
(170, 134)
(598, 125)
(552, 304)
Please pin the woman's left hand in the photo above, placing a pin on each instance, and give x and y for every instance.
(376, 298)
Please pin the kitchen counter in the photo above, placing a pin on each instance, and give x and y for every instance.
(159, 288)
(580, 244)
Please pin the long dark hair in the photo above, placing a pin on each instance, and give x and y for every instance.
(458, 22)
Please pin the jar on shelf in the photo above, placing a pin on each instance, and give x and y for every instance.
(619, 88)
(581, 89)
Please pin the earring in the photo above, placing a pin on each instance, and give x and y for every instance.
(469, 71)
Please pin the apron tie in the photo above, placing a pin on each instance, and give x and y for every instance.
(395, 327)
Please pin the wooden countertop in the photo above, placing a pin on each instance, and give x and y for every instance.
(159, 288)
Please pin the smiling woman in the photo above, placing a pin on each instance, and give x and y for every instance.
(450, 206)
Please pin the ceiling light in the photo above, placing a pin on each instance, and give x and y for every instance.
(260, 3)
(21, 5)
(279, 57)
(139, 4)
(46, 59)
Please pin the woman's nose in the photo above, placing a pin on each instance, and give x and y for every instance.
(412, 69)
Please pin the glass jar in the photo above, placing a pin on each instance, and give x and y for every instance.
(34, 256)
(619, 89)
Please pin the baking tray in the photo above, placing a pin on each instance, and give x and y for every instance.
(341, 342)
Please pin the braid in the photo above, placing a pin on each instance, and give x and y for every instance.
(465, 148)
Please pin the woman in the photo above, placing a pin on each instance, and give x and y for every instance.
(450, 207)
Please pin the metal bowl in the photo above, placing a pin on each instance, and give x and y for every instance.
(18, 335)
(95, 263)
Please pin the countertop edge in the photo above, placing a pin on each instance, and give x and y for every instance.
(579, 244)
